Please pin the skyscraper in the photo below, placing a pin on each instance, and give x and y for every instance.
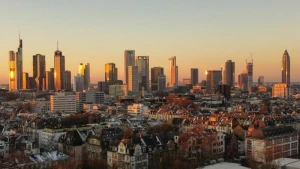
(194, 76)
(142, 62)
(161, 82)
(155, 72)
(261, 80)
(286, 69)
(249, 70)
(101, 86)
(129, 60)
(173, 71)
(230, 73)
(78, 83)
(213, 80)
(243, 81)
(59, 69)
(12, 71)
(19, 65)
(49, 84)
(84, 71)
(67, 80)
(25, 82)
(39, 70)
(133, 79)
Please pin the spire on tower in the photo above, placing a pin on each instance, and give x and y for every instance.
(57, 45)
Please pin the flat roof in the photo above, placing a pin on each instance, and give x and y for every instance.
(225, 165)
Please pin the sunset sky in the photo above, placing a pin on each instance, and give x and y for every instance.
(202, 34)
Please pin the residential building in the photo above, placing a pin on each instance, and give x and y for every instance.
(173, 72)
(142, 62)
(194, 76)
(49, 138)
(230, 73)
(128, 154)
(118, 90)
(84, 71)
(281, 90)
(133, 83)
(265, 144)
(62, 102)
(213, 80)
(136, 109)
(129, 60)
(59, 69)
(155, 72)
(39, 70)
(286, 69)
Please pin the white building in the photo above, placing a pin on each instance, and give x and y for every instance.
(63, 103)
(49, 138)
(133, 78)
(128, 155)
(136, 109)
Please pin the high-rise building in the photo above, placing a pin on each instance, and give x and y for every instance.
(84, 71)
(129, 60)
(223, 74)
(101, 86)
(213, 80)
(78, 83)
(281, 90)
(230, 73)
(12, 71)
(80, 100)
(261, 80)
(142, 62)
(59, 69)
(194, 76)
(286, 69)
(243, 81)
(67, 80)
(111, 75)
(173, 71)
(25, 81)
(39, 70)
(19, 65)
(31, 83)
(155, 72)
(161, 82)
(133, 79)
(63, 102)
(49, 84)
(249, 70)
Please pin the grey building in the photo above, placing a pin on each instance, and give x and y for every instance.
(229, 73)
(194, 76)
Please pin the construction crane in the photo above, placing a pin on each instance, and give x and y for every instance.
(249, 59)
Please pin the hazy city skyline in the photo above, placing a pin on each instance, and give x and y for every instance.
(201, 34)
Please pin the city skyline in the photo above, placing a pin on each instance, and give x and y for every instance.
(208, 46)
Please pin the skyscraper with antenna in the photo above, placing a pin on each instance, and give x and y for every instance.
(59, 69)
(16, 67)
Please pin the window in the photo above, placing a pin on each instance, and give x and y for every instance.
(294, 152)
(294, 145)
(221, 142)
